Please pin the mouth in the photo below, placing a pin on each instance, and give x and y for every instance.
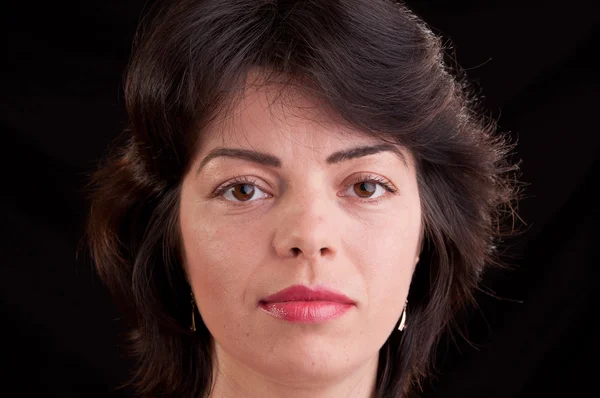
(300, 304)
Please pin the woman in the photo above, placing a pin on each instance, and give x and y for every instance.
(305, 199)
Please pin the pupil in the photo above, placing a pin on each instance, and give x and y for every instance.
(243, 191)
(366, 189)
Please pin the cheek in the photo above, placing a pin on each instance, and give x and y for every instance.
(220, 259)
(388, 261)
(386, 256)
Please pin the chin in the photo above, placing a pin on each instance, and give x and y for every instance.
(313, 358)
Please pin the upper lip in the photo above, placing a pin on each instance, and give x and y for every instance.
(304, 293)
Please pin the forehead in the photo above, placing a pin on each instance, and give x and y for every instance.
(267, 114)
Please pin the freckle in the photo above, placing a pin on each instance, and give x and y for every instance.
(247, 334)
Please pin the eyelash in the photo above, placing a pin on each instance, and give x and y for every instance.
(386, 184)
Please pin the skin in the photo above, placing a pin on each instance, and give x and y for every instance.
(305, 223)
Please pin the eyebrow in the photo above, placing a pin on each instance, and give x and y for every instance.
(273, 161)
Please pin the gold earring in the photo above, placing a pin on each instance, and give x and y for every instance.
(403, 318)
(193, 327)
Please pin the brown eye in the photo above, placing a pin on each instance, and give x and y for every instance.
(242, 189)
(365, 189)
(242, 192)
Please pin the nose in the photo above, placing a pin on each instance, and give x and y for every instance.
(306, 227)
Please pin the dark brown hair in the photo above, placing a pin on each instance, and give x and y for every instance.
(375, 65)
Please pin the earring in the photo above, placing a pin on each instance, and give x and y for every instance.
(403, 318)
(193, 327)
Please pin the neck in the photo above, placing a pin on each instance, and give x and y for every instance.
(233, 379)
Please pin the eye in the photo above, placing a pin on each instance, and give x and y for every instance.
(241, 189)
(366, 189)
(370, 187)
(242, 192)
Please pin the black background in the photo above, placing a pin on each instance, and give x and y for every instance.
(61, 105)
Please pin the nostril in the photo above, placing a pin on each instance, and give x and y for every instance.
(326, 251)
(296, 251)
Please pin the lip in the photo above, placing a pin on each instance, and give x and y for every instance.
(301, 304)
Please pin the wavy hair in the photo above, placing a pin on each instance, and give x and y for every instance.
(374, 64)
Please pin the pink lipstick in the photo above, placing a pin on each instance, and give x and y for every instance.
(301, 304)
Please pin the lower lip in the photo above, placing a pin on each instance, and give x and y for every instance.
(306, 311)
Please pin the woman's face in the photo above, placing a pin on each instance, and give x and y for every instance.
(281, 195)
